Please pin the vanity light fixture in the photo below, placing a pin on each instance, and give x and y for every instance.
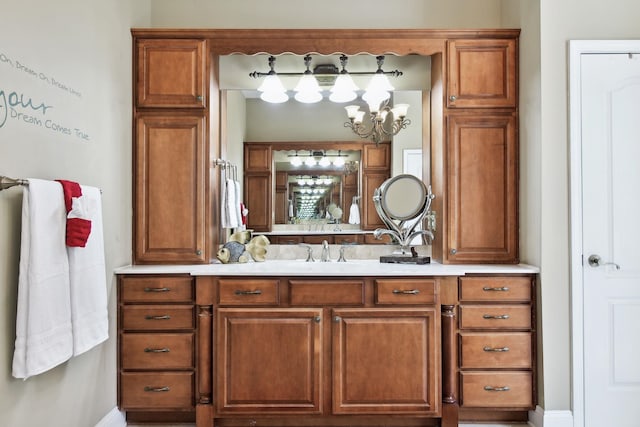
(308, 89)
(378, 114)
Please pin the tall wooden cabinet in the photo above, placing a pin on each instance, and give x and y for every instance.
(170, 152)
(476, 167)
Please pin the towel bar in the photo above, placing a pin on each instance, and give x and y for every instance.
(6, 182)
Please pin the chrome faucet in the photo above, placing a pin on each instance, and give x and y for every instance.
(324, 257)
(309, 252)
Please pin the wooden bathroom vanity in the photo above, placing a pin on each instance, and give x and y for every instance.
(295, 343)
(289, 343)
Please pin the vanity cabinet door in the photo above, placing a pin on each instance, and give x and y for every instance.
(170, 73)
(481, 224)
(482, 73)
(170, 178)
(386, 361)
(256, 374)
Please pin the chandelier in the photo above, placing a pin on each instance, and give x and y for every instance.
(385, 120)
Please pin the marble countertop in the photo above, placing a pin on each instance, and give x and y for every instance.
(357, 268)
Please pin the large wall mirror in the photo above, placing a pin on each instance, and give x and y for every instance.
(302, 129)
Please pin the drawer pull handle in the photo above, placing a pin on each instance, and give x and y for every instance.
(498, 289)
(496, 349)
(156, 389)
(491, 388)
(256, 292)
(496, 316)
(156, 350)
(163, 317)
(406, 292)
(157, 289)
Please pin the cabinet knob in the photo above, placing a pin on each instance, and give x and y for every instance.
(337, 319)
(452, 98)
(453, 251)
(199, 97)
(317, 319)
(406, 291)
(198, 252)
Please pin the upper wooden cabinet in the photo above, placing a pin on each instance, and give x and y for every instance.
(482, 73)
(482, 189)
(170, 181)
(171, 73)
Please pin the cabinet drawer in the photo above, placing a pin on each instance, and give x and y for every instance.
(158, 390)
(496, 389)
(508, 289)
(157, 289)
(495, 316)
(348, 239)
(495, 350)
(157, 351)
(405, 291)
(323, 292)
(157, 317)
(248, 292)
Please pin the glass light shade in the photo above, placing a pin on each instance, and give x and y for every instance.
(308, 89)
(399, 110)
(274, 97)
(301, 182)
(295, 161)
(324, 162)
(375, 98)
(272, 83)
(310, 161)
(327, 181)
(308, 97)
(359, 117)
(344, 89)
(379, 82)
(339, 162)
(352, 111)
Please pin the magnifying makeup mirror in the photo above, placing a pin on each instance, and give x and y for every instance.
(402, 203)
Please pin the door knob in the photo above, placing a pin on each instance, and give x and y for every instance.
(595, 261)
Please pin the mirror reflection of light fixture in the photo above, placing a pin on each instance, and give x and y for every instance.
(378, 116)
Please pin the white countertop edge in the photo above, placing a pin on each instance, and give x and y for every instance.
(363, 268)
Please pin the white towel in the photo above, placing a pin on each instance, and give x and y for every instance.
(88, 280)
(236, 208)
(354, 214)
(229, 217)
(43, 319)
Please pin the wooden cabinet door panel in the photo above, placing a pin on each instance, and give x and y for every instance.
(171, 73)
(482, 73)
(482, 189)
(170, 177)
(256, 373)
(258, 190)
(386, 361)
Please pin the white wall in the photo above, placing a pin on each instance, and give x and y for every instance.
(75, 57)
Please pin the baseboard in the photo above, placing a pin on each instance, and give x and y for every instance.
(114, 418)
(542, 418)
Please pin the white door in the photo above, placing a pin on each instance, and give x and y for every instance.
(610, 129)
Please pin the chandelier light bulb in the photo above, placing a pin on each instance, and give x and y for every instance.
(310, 161)
(324, 162)
(295, 161)
(339, 162)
